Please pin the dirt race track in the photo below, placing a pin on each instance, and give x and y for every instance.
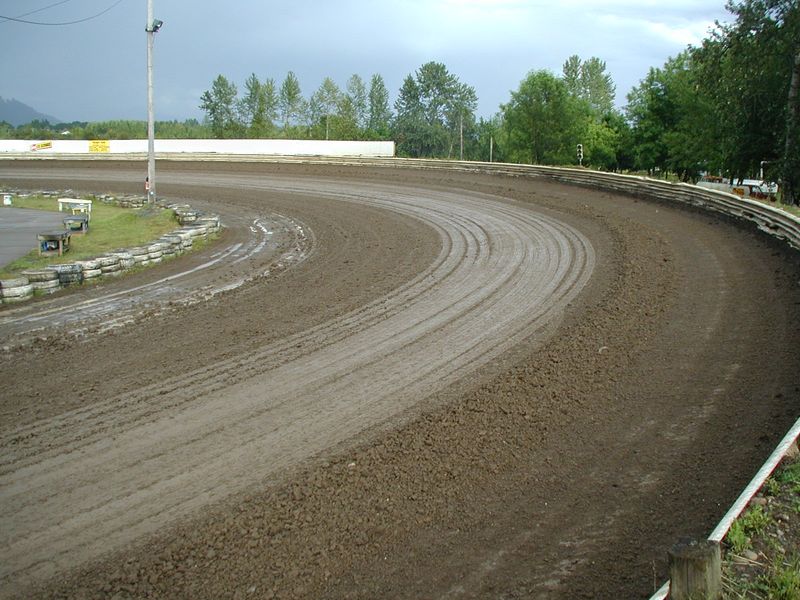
(390, 383)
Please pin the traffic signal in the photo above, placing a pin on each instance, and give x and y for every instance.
(580, 150)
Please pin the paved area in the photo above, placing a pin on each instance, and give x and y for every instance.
(18, 229)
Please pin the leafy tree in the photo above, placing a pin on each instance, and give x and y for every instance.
(322, 104)
(290, 101)
(188, 129)
(253, 107)
(345, 122)
(623, 150)
(460, 115)
(671, 120)
(357, 98)
(487, 142)
(753, 63)
(219, 104)
(270, 104)
(410, 122)
(543, 122)
(431, 107)
(729, 104)
(600, 144)
(379, 113)
(588, 80)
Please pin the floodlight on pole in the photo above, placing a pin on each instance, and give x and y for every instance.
(153, 25)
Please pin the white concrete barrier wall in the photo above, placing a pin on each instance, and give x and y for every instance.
(233, 147)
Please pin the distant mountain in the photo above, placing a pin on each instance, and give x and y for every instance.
(16, 113)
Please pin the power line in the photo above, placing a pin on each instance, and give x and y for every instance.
(37, 10)
(18, 20)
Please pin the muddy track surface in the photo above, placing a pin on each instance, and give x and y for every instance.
(390, 383)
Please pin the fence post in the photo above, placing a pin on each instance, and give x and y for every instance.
(695, 570)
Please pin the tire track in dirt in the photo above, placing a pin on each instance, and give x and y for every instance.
(90, 480)
(107, 310)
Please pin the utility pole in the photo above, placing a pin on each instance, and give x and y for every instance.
(491, 147)
(461, 134)
(153, 25)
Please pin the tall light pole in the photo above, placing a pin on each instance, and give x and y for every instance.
(153, 25)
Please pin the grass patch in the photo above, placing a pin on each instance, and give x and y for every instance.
(782, 580)
(737, 537)
(110, 228)
(768, 537)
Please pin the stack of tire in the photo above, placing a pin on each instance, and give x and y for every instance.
(13, 290)
(109, 265)
(126, 260)
(68, 273)
(140, 256)
(124, 202)
(155, 252)
(172, 244)
(90, 269)
(186, 239)
(195, 225)
(210, 222)
(186, 216)
(43, 281)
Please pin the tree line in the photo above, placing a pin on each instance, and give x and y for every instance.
(727, 107)
(730, 106)
(103, 130)
(433, 115)
(268, 110)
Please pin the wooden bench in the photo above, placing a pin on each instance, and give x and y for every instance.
(75, 206)
(53, 242)
(77, 223)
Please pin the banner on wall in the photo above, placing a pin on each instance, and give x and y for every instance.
(41, 146)
(99, 146)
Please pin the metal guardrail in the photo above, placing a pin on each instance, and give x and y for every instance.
(722, 528)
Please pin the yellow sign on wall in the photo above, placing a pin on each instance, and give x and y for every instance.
(99, 146)
(41, 146)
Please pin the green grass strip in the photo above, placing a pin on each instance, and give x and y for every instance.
(110, 228)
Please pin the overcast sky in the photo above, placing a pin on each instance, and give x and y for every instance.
(96, 70)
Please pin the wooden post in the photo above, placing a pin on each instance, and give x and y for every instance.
(695, 570)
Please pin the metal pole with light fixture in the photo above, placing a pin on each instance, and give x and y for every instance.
(153, 25)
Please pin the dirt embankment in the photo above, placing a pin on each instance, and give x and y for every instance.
(561, 468)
